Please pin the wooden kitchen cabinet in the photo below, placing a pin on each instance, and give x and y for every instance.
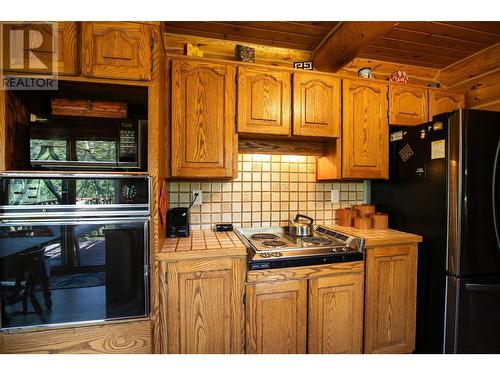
(444, 101)
(408, 105)
(116, 50)
(276, 317)
(203, 301)
(390, 299)
(365, 130)
(42, 59)
(336, 314)
(203, 139)
(264, 101)
(316, 105)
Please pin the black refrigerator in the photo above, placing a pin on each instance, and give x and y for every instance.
(445, 185)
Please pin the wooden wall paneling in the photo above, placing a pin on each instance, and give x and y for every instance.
(344, 44)
(115, 338)
(390, 299)
(365, 130)
(264, 101)
(408, 105)
(204, 140)
(276, 317)
(316, 105)
(441, 101)
(329, 166)
(481, 92)
(3, 130)
(281, 146)
(14, 116)
(204, 306)
(336, 314)
(225, 50)
(157, 169)
(116, 50)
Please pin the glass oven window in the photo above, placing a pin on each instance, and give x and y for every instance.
(48, 149)
(96, 151)
(96, 191)
(35, 192)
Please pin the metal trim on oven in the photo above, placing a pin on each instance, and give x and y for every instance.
(34, 175)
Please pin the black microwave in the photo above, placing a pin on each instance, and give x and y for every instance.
(66, 142)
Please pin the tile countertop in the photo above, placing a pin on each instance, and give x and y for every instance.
(379, 237)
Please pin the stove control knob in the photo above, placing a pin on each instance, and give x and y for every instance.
(277, 254)
(265, 255)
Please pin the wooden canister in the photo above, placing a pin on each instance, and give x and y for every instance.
(346, 216)
(380, 221)
(365, 209)
(363, 222)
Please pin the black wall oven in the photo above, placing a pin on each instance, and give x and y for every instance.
(73, 249)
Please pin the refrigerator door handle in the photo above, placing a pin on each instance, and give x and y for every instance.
(494, 190)
(473, 287)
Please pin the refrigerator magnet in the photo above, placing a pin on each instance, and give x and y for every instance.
(438, 149)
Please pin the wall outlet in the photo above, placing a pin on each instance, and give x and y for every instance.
(335, 196)
(198, 200)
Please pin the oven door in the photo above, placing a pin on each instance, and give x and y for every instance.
(73, 271)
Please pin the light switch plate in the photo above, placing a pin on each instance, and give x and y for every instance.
(198, 200)
(335, 196)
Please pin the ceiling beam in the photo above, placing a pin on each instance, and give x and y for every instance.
(342, 45)
(470, 67)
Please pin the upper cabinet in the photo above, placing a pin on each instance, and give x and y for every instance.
(119, 50)
(444, 101)
(44, 57)
(203, 139)
(408, 105)
(316, 105)
(365, 130)
(264, 101)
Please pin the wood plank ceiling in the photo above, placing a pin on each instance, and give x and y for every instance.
(421, 43)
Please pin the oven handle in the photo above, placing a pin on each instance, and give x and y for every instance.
(61, 221)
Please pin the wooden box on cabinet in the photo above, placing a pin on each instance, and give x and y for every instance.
(365, 130)
(264, 101)
(202, 303)
(408, 105)
(116, 50)
(444, 101)
(65, 49)
(316, 105)
(390, 299)
(204, 142)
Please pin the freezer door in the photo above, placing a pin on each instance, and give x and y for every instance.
(473, 193)
(473, 308)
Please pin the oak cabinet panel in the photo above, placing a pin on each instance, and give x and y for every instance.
(365, 130)
(276, 317)
(38, 48)
(119, 50)
(203, 136)
(264, 101)
(408, 105)
(390, 300)
(444, 101)
(336, 314)
(317, 105)
(203, 300)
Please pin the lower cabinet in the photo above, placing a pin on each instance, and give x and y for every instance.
(312, 314)
(202, 306)
(390, 300)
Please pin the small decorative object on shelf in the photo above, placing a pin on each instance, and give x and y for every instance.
(365, 73)
(244, 53)
(306, 65)
(192, 50)
(399, 76)
(434, 85)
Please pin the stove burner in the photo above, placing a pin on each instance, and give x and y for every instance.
(274, 243)
(316, 241)
(263, 236)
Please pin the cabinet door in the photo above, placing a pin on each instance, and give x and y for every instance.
(444, 101)
(120, 50)
(204, 306)
(276, 317)
(390, 300)
(40, 53)
(316, 105)
(365, 130)
(408, 105)
(264, 101)
(203, 129)
(336, 314)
